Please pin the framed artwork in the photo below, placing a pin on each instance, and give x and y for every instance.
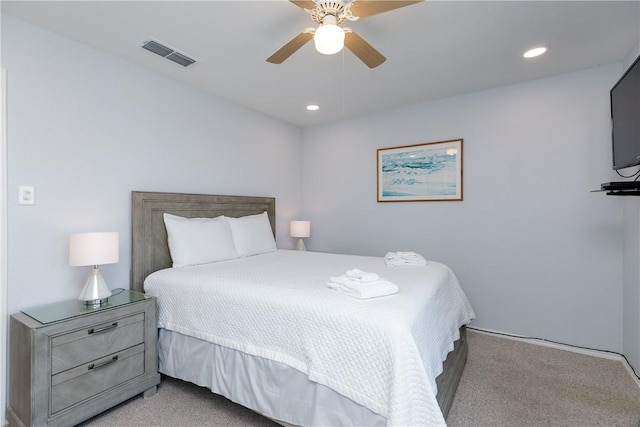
(421, 173)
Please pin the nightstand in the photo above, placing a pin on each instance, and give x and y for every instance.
(70, 362)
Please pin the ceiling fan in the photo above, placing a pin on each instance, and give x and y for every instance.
(330, 37)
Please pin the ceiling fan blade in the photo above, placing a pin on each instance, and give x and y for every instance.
(289, 49)
(364, 8)
(304, 4)
(363, 50)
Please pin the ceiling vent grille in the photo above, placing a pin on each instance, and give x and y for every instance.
(167, 53)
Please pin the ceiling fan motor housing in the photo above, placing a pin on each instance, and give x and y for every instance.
(341, 10)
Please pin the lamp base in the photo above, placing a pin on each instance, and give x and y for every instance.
(300, 246)
(95, 292)
(96, 303)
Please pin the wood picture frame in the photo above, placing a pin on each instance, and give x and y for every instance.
(421, 172)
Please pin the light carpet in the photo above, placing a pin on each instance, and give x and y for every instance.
(511, 383)
(505, 383)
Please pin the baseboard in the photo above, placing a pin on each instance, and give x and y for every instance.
(565, 347)
(626, 364)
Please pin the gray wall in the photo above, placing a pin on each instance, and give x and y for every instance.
(86, 128)
(536, 252)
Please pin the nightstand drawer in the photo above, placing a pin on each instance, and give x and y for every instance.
(87, 380)
(96, 341)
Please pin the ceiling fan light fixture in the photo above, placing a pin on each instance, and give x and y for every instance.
(329, 37)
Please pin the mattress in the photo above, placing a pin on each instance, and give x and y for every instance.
(382, 353)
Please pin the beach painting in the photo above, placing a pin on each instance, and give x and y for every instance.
(422, 172)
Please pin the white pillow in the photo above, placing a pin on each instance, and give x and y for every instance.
(195, 241)
(252, 234)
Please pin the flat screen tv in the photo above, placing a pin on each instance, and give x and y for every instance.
(625, 118)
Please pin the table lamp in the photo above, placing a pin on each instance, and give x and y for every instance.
(94, 249)
(300, 229)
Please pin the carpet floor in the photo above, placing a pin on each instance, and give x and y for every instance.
(505, 383)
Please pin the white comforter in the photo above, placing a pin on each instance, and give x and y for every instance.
(383, 353)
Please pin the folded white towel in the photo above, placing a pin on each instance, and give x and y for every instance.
(362, 276)
(398, 259)
(362, 290)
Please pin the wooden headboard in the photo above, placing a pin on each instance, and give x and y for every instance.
(149, 247)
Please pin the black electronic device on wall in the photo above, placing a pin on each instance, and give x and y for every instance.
(621, 188)
(625, 131)
(625, 118)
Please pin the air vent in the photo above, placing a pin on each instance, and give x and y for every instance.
(179, 58)
(167, 52)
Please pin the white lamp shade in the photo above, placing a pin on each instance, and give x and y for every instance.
(300, 229)
(93, 248)
(328, 37)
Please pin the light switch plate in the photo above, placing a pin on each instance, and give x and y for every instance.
(26, 195)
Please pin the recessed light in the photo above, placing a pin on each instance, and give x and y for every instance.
(313, 107)
(536, 51)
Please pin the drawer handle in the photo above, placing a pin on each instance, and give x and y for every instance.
(104, 329)
(100, 365)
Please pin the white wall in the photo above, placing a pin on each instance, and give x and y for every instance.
(536, 252)
(86, 128)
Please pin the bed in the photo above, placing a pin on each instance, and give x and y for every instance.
(304, 355)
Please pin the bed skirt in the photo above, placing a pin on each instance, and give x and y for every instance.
(278, 391)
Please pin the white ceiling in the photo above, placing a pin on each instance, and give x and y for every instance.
(434, 49)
